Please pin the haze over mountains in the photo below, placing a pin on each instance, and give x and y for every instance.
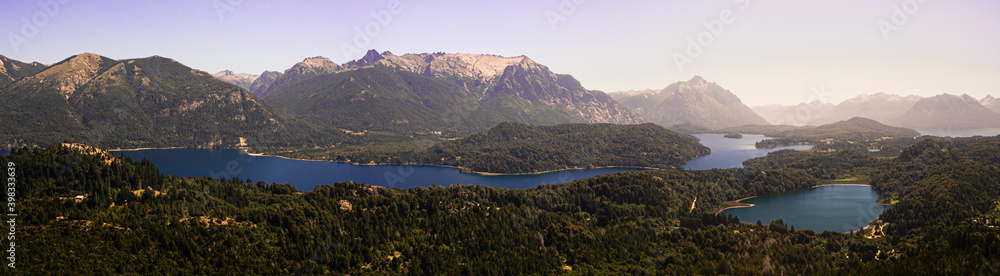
(696, 101)
(990, 102)
(941, 111)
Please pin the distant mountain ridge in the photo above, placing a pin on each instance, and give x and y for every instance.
(695, 101)
(949, 111)
(241, 80)
(796, 115)
(990, 102)
(943, 111)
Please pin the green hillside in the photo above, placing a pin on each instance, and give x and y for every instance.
(148, 102)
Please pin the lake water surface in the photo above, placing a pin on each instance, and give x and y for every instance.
(729, 152)
(305, 175)
(839, 208)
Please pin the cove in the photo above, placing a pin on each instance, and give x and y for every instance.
(306, 175)
(839, 208)
(730, 153)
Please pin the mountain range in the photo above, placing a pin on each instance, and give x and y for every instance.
(159, 102)
(449, 94)
(941, 111)
(135, 103)
(696, 101)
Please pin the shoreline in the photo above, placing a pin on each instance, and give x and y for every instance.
(138, 149)
(732, 204)
(844, 184)
(460, 169)
(736, 204)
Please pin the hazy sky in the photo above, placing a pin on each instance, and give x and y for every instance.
(765, 51)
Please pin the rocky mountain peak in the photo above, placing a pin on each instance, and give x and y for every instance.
(370, 58)
(474, 66)
(238, 79)
(990, 102)
(263, 82)
(317, 63)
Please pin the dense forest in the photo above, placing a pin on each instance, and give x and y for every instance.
(858, 132)
(132, 219)
(522, 148)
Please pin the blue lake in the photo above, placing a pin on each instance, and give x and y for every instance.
(839, 208)
(730, 153)
(306, 175)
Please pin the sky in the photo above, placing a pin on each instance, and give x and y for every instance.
(764, 51)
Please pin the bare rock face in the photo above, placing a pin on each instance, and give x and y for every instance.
(514, 83)
(484, 68)
(493, 77)
(67, 75)
(696, 101)
(533, 82)
(241, 80)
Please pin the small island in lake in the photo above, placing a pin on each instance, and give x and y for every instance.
(733, 135)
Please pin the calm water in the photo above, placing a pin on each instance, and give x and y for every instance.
(729, 152)
(839, 208)
(305, 175)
